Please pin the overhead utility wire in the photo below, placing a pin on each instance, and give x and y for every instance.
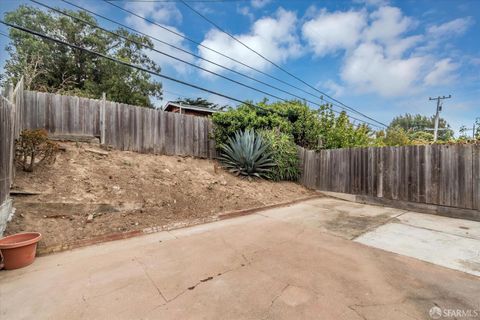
(44, 36)
(158, 51)
(233, 59)
(208, 48)
(187, 52)
(183, 50)
(273, 63)
(218, 1)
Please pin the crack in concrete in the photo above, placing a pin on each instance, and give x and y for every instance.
(205, 280)
(275, 299)
(374, 227)
(393, 303)
(356, 312)
(170, 233)
(144, 268)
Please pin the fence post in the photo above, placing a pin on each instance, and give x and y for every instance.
(102, 118)
(13, 126)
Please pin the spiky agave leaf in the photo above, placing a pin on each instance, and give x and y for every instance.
(246, 154)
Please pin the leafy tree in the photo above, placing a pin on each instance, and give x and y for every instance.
(396, 136)
(463, 131)
(312, 129)
(201, 102)
(51, 67)
(412, 124)
(421, 137)
(477, 128)
(226, 124)
(339, 132)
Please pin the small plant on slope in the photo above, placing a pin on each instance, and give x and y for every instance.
(34, 148)
(246, 154)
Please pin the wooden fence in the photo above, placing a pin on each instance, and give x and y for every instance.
(121, 126)
(445, 175)
(6, 147)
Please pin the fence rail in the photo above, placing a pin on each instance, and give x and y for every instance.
(119, 125)
(446, 175)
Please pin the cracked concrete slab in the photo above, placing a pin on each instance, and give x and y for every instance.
(277, 264)
(441, 248)
(344, 219)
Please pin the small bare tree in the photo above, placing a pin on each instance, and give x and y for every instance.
(34, 148)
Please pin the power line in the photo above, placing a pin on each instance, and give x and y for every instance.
(172, 57)
(205, 47)
(181, 60)
(44, 36)
(207, 1)
(213, 1)
(342, 106)
(272, 62)
(147, 70)
(188, 52)
(158, 51)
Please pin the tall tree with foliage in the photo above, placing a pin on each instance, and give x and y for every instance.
(413, 124)
(394, 136)
(312, 129)
(339, 132)
(51, 67)
(476, 134)
(200, 102)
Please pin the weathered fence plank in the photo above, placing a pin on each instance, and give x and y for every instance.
(446, 175)
(121, 126)
(6, 129)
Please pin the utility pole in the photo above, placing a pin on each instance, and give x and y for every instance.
(437, 115)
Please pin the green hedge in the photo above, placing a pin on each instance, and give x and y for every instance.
(284, 155)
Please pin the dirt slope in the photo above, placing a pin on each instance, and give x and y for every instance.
(129, 191)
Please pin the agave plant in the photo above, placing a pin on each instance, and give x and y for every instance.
(246, 154)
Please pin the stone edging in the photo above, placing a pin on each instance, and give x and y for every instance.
(168, 227)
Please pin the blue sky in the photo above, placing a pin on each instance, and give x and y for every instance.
(381, 57)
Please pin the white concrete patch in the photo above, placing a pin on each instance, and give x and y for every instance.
(437, 246)
(459, 227)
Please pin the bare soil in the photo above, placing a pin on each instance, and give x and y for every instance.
(85, 194)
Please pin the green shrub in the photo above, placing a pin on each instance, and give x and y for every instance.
(284, 155)
(311, 129)
(246, 154)
(226, 124)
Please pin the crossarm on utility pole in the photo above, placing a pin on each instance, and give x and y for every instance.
(437, 114)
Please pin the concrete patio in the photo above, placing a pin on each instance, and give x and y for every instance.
(296, 262)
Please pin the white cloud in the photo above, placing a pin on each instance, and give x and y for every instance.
(274, 37)
(443, 73)
(161, 13)
(374, 3)
(388, 23)
(397, 48)
(333, 88)
(245, 11)
(368, 69)
(260, 3)
(330, 32)
(451, 28)
(381, 54)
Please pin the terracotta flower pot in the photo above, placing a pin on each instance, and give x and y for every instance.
(18, 250)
